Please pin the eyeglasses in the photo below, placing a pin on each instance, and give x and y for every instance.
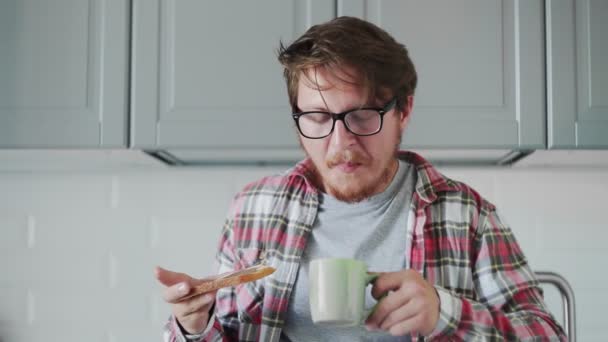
(359, 121)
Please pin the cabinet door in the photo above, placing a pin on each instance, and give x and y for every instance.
(480, 69)
(63, 73)
(577, 51)
(205, 73)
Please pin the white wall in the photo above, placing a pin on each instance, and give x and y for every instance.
(77, 249)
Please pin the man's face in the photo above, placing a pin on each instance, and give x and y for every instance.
(350, 167)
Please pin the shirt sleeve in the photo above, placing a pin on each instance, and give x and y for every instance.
(175, 333)
(508, 304)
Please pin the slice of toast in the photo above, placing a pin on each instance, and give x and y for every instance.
(229, 279)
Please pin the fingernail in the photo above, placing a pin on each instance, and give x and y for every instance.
(370, 327)
(182, 288)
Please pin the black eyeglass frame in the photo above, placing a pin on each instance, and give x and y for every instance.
(341, 117)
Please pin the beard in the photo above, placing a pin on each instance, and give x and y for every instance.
(352, 188)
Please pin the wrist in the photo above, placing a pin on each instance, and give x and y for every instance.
(450, 309)
(434, 315)
(192, 330)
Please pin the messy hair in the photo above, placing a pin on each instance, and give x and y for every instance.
(355, 52)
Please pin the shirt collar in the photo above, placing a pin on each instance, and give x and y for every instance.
(428, 183)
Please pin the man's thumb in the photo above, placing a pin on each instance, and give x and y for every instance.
(169, 278)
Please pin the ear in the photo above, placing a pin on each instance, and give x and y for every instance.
(404, 119)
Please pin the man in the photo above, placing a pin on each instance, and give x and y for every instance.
(451, 270)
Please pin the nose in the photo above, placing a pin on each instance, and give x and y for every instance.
(342, 137)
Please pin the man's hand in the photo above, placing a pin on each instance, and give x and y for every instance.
(192, 313)
(411, 306)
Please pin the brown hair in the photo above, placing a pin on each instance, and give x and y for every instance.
(382, 65)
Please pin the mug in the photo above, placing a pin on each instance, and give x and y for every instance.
(337, 291)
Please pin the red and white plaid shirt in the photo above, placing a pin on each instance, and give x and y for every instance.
(455, 240)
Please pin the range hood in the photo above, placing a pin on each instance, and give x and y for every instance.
(275, 156)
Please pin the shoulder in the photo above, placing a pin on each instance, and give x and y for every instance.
(262, 211)
(458, 192)
(433, 187)
(263, 195)
(448, 203)
(288, 182)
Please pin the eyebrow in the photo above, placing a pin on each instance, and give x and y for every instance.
(323, 109)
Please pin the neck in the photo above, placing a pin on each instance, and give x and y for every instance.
(387, 176)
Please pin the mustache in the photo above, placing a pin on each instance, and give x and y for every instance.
(346, 156)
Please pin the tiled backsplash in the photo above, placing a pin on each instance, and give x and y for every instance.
(77, 249)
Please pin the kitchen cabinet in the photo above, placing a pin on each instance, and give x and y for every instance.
(201, 80)
(63, 73)
(480, 69)
(577, 72)
(205, 73)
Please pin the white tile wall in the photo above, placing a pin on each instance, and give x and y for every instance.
(77, 249)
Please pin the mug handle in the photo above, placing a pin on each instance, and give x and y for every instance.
(370, 277)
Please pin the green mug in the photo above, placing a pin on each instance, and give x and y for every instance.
(337, 291)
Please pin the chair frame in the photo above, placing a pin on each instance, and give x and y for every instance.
(567, 294)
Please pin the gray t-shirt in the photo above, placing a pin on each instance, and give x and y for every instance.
(374, 231)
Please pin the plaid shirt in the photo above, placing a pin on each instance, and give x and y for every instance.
(455, 240)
